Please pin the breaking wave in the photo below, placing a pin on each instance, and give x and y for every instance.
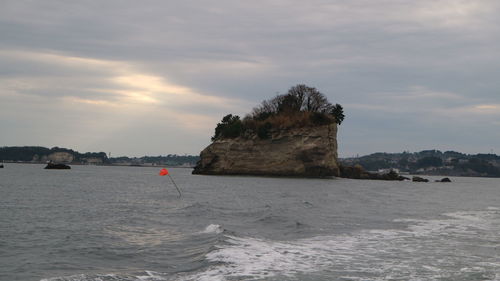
(457, 246)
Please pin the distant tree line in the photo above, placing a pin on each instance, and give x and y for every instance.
(35, 153)
(300, 106)
(170, 159)
(28, 153)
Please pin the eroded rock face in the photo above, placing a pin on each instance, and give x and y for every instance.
(61, 157)
(302, 152)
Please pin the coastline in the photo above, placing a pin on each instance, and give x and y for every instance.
(104, 165)
(238, 175)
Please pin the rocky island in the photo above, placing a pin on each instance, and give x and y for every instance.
(294, 134)
(57, 166)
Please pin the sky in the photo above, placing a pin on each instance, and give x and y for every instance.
(151, 77)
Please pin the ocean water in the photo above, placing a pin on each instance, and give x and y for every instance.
(127, 223)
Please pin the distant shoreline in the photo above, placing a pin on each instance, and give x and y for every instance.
(184, 167)
(102, 165)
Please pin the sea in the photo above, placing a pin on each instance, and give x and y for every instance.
(97, 223)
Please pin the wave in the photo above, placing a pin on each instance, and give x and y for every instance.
(144, 236)
(142, 276)
(196, 209)
(212, 228)
(457, 246)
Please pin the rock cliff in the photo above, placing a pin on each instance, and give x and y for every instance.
(303, 152)
(61, 157)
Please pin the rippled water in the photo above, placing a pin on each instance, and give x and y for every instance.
(123, 223)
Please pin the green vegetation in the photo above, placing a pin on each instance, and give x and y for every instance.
(301, 106)
(429, 161)
(230, 127)
(264, 131)
(25, 153)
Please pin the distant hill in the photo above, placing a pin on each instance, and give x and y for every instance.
(38, 154)
(431, 162)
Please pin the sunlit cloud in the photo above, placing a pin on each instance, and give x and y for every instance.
(124, 81)
(155, 89)
(487, 107)
(117, 97)
(100, 103)
(150, 83)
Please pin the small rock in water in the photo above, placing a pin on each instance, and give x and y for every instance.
(57, 166)
(419, 179)
(307, 204)
(298, 224)
(444, 180)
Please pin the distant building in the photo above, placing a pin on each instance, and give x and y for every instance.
(93, 161)
(385, 171)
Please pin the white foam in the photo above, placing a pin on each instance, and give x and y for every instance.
(426, 249)
(213, 228)
(151, 276)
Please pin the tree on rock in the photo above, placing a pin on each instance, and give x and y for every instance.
(229, 127)
(299, 98)
(338, 112)
(301, 106)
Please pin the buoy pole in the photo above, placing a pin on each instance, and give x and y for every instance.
(178, 190)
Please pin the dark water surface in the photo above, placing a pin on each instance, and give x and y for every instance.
(123, 223)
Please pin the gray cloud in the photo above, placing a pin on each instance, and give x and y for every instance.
(411, 74)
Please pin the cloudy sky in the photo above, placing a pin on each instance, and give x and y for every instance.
(154, 77)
